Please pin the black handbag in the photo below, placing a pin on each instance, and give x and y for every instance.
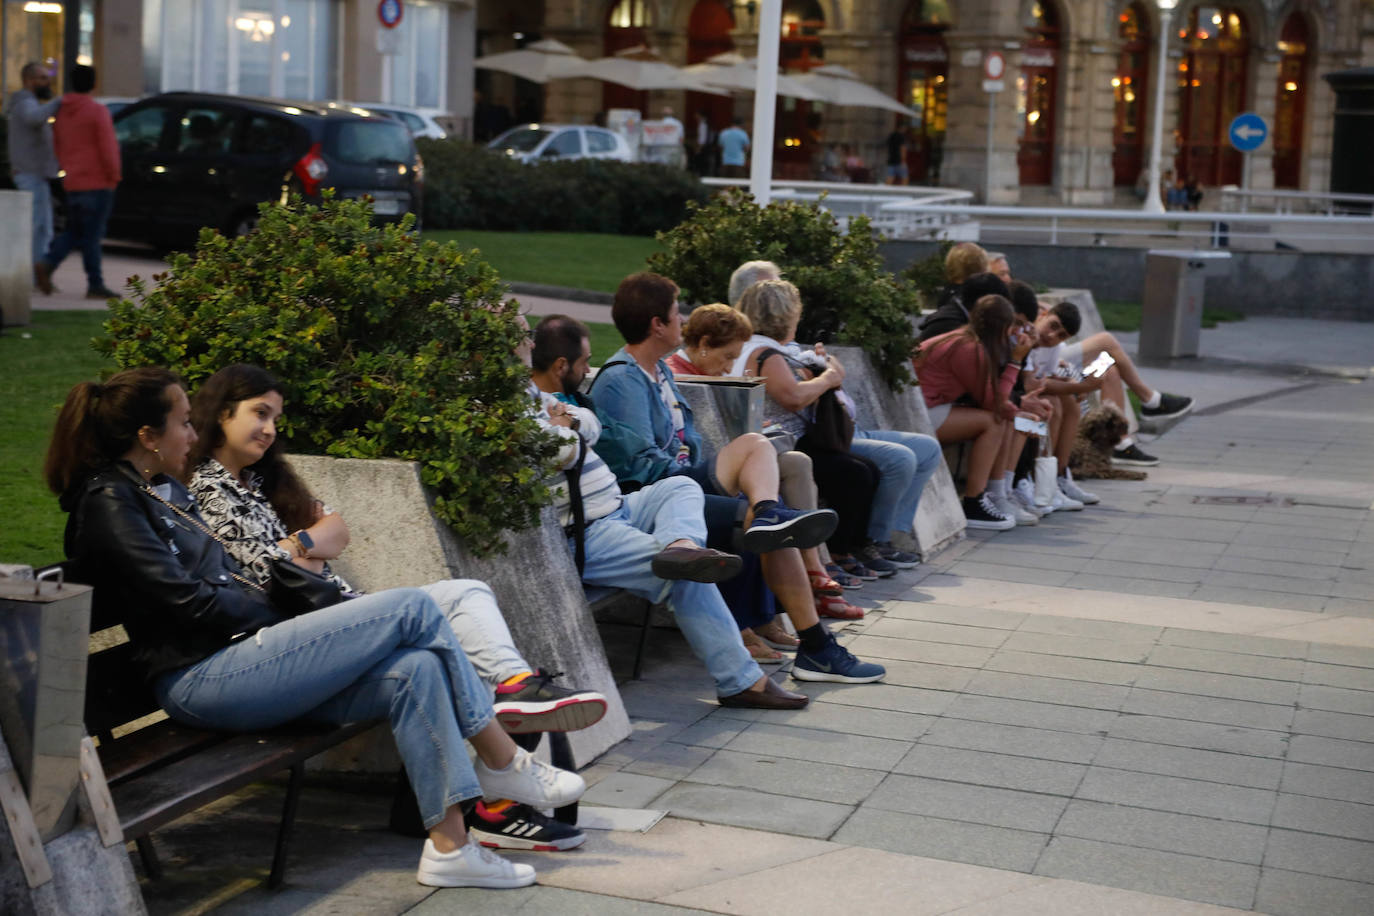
(829, 428)
(293, 589)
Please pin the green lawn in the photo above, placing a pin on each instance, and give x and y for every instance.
(39, 370)
(1125, 316)
(581, 260)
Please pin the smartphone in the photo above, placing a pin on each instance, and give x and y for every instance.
(1034, 427)
(1098, 367)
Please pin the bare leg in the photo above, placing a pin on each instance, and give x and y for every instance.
(1066, 415)
(965, 424)
(451, 832)
(1106, 342)
(749, 464)
(785, 574)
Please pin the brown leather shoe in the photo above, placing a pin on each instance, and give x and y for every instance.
(699, 564)
(42, 278)
(770, 697)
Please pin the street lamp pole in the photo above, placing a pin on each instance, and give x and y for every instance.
(1153, 202)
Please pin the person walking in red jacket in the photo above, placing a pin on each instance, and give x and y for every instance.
(87, 151)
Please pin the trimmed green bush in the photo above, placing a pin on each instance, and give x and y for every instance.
(927, 276)
(388, 347)
(471, 187)
(848, 296)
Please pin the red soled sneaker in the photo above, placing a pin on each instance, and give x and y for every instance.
(521, 827)
(536, 704)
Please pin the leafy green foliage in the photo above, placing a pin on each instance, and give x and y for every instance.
(387, 346)
(848, 296)
(471, 187)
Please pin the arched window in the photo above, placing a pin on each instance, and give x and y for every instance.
(923, 78)
(1211, 81)
(1291, 104)
(1037, 91)
(627, 25)
(1129, 89)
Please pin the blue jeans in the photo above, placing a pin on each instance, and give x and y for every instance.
(87, 213)
(390, 654)
(620, 548)
(906, 460)
(37, 185)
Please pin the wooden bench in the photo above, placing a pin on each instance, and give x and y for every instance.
(160, 770)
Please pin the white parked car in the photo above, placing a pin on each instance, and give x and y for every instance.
(434, 123)
(544, 142)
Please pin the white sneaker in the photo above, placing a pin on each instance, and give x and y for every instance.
(1012, 509)
(530, 780)
(470, 866)
(1065, 502)
(1024, 495)
(1074, 491)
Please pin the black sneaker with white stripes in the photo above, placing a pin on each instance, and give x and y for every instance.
(521, 827)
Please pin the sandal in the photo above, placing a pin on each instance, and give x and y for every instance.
(836, 608)
(822, 584)
(773, 634)
(844, 579)
(759, 650)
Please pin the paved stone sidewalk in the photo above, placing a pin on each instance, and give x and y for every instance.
(1161, 705)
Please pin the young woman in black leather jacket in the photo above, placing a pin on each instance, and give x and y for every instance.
(219, 655)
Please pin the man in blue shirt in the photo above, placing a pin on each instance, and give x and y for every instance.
(734, 150)
(648, 435)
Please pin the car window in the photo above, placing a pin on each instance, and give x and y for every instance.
(369, 143)
(414, 122)
(266, 135)
(600, 141)
(565, 143)
(205, 131)
(521, 139)
(141, 131)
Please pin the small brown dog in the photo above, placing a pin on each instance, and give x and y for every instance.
(1098, 433)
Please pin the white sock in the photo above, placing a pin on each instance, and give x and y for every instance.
(1008, 481)
(997, 488)
(1152, 402)
(1125, 443)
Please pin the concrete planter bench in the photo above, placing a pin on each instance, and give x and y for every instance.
(397, 542)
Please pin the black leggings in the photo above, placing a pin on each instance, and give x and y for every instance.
(846, 483)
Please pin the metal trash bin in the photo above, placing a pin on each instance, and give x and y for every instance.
(1171, 322)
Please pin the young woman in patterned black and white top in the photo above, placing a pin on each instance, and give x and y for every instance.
(264, 514)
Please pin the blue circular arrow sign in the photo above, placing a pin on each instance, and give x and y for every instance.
(1248, 132)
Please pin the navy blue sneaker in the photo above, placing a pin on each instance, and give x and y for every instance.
(776, 528)
(835, 663)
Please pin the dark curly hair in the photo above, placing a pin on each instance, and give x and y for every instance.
(217, 400)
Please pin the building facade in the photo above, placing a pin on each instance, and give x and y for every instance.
(1072, 124)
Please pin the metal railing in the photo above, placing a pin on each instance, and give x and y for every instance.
(1136, 228)
(1282, 201)
(847, 200)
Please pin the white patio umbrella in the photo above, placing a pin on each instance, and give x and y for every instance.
(733, 71)
(539, 62)
(642, 68)
(840, 86)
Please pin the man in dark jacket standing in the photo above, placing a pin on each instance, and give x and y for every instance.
(32, 160)
(88, 152)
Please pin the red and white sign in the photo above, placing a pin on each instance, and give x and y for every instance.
(994, 65)
(389, 13)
